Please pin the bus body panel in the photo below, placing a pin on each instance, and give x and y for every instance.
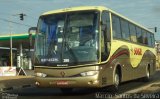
(133, 65)
(70, 75)
(121, 58)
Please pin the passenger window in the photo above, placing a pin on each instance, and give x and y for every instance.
(125, 30)
(139, 34)
(116, 29)
(144, 37)
(149, 39)
(153, 40)
(133, 32)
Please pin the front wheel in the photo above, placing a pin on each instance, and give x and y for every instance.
(115, 86)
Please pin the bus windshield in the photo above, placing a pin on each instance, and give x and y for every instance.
(67, 38)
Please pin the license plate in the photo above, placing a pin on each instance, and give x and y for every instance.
(62, 82)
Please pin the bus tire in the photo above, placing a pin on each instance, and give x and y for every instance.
(66, 90)
(148, 75)
(117, 78)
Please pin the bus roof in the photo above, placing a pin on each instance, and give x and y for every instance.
(80, 8)
(101, 8)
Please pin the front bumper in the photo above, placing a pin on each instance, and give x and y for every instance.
(70, 82)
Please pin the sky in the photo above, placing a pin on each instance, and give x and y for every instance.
(144, 12)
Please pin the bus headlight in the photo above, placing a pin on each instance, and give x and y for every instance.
(41, 74)
(89, 73)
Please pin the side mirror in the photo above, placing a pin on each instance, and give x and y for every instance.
(30, 31)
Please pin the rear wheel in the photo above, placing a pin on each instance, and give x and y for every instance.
(148, 75)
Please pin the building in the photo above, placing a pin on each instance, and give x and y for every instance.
(20, 50)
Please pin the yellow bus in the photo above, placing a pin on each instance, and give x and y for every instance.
(91, 47)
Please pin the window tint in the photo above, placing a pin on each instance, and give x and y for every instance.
(133, 32)
(149, 39)
(125, 30)
(116, 29)
(144, 37)
(139, 34)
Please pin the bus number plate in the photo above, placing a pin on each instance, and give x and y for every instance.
(62, 82)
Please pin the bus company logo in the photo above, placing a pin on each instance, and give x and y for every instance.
(137, 51)
(62, 73)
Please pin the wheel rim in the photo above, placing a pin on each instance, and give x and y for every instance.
(116, 80)
(148, 73)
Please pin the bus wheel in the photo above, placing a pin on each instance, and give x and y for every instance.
(147, 77)
(115, 86)
(66, 90)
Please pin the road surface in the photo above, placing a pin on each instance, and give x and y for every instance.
(135, 86)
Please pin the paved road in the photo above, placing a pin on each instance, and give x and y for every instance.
(54, 93)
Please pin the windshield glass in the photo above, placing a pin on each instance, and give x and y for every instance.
(67, 38)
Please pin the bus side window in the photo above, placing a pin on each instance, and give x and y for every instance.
(153, 40)
(105, 36)
(125, 30)
(144, 37)
(139, 35)
(133, 32)
(116, 29)
(149, 39)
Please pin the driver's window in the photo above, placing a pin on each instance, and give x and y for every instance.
(105, 36)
